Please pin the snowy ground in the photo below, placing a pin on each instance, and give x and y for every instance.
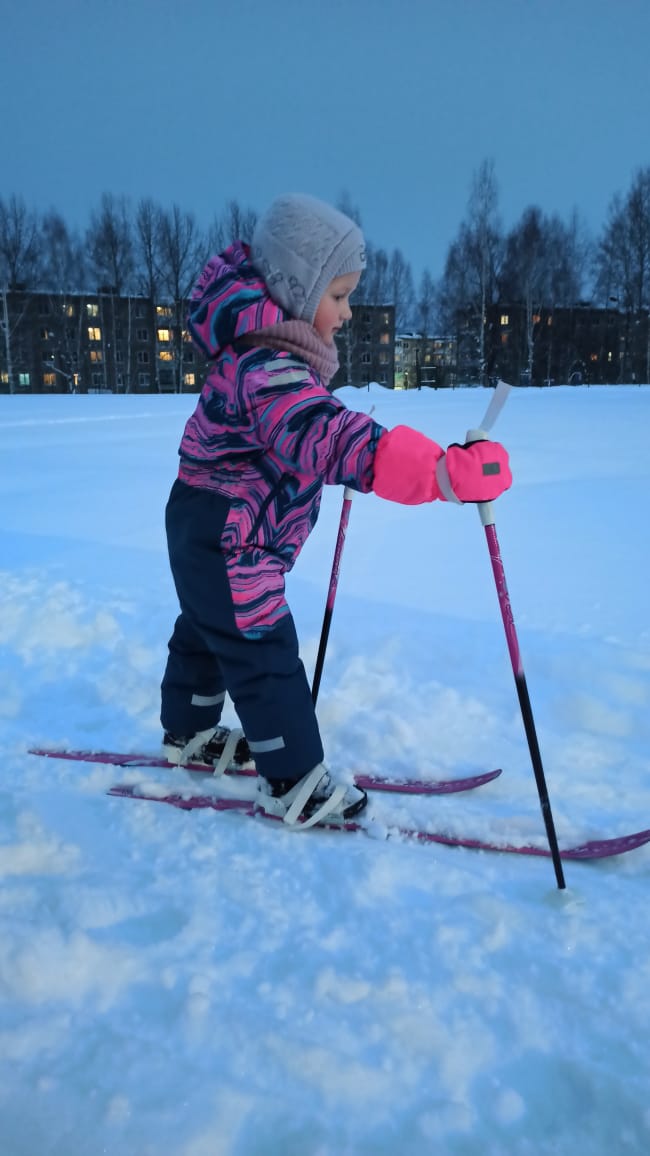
(203, 985)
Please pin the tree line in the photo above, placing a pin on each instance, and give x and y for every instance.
(541, 262)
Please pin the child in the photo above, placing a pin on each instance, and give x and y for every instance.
(264, 438)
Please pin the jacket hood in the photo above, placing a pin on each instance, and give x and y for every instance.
(229, 301)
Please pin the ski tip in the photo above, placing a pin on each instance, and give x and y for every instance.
(607, 848)
(426, 786)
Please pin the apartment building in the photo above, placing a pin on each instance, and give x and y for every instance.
(102, 342)
(367, 347)
(85, 343)
(576, 345)
(424, 361)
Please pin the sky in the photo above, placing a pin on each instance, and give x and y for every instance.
(395, 104)
(199, 984)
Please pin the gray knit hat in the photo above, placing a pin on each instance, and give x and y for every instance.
(299, 246)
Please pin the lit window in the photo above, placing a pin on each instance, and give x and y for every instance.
(536, 318)
(166, 355)
(68, 310)
(23, 379)
(91, 309)
(96, 355)
(76, 379)
(384, 338)
(164, 310)
(593, 357)
(189, 379)
(49, 379)
(164, 335)
(505, 319)
(4, 378)
(94, 334)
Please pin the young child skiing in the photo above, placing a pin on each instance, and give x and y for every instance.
(265, 436)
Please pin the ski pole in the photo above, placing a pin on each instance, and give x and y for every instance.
(331, 593)
(487, 518)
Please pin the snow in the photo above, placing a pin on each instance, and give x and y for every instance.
(198, 984)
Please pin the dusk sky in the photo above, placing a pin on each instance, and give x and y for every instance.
(394, 102)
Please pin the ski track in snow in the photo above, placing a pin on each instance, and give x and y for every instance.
(203, 985)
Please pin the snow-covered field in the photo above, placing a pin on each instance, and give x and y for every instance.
(203, 985)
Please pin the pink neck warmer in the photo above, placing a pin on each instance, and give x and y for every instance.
(301, 338)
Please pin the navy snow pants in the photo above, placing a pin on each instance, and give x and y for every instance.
(209, 656)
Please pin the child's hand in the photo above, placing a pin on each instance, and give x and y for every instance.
(411, 468)
(478, 471)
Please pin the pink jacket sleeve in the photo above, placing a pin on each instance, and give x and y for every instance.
(405, 467)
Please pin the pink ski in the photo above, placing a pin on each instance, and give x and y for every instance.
(593, 849)
(365, 782)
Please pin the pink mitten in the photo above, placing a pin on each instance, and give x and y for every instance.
(477, 471)
(411, 468)
(405, 467)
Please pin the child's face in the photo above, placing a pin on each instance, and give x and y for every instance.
(334, 306)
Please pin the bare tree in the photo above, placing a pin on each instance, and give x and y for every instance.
(109, 243)
(574, 251)
(63, 276)
(426, 304)
(346, 205)
(527, 272)
(235, 223)
(623, 267)
(182, 249)
(374, 287)
(147, 255)
(110, 254)
(62, 263)
(20, 243)
(470, 279)
(484, 248)
(148, 269)
(623, 254)
(20, 256)
(401, 289)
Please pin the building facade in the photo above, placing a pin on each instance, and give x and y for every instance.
(424, 361)
(84, 343)
(102, 342)
(573, 345)
(366, 347)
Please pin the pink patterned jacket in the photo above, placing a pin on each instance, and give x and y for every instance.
(266, 435)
